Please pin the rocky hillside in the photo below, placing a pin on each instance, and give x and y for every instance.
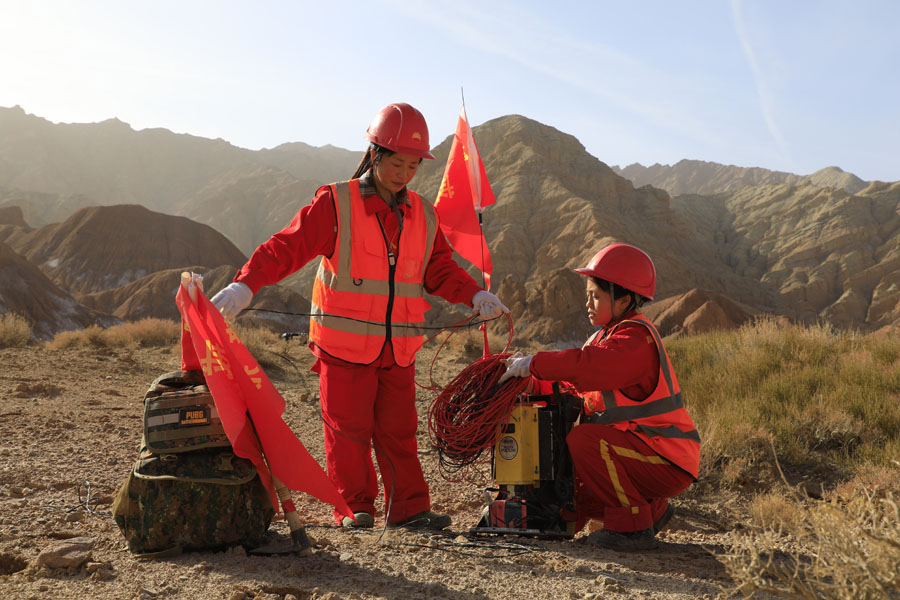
(154, 296)
(697, 311)
(52, 170)
(821, 253)
(556, 206)
(823, 246)
(702, 177)
(26, 291)
(104, 247)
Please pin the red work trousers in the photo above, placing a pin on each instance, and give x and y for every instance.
(365, 407)
(620, 479)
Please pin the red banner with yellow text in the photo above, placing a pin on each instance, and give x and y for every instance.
(249, 405)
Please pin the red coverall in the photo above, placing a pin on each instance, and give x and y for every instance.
(363, 403)
(620, 479)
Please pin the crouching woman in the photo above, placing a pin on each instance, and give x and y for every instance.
(635, 446)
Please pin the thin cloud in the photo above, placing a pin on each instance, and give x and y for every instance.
(617, 78)
(766, 98)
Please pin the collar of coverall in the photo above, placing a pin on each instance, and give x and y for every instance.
(375, 203)
(631, 313)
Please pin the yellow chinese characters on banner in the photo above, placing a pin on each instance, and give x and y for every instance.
(215, 361)
(253, 375)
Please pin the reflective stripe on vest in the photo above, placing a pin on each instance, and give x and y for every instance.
(660, 420)
(353, 287)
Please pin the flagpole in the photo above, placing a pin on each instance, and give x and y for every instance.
(480, 212)
(487, 348)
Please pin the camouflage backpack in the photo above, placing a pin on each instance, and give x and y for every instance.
(188, 490)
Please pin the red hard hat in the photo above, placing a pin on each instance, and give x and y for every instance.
(624, 265)
(401, 128)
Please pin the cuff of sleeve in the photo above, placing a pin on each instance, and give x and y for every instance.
(247, 279)
(469, 292)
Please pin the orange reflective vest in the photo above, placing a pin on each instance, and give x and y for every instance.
(363, 295)
(660, 420)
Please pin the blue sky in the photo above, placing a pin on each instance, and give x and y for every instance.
(792, 86)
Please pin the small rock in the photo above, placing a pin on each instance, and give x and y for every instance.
(346, 556)
(62, 554)
(74, 517)
(90, 567)
(104, 573)
(290, 597)
(201, 566)
(582, 569)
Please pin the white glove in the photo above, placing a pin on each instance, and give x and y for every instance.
(232, 299)
(516, 366)
(487, 305)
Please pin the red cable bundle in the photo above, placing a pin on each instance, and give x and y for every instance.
(465, 419)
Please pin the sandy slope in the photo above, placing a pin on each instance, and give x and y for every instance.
(70, 422)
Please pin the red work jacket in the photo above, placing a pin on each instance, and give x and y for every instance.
(660, 419)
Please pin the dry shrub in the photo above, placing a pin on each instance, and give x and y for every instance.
(746, 458)
(775, 511)
(469, 343)
(842, 550)
(88, 337)
(15, 331)
(263, 344)
(145, 332)
(872, 479)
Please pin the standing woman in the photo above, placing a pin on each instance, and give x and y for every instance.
(382, 249)
(636, 445)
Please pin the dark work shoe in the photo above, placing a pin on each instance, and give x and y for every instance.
(425, 520)
(631, 541)
(664, 519)
(363, 520)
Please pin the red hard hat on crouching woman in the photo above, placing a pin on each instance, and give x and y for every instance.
(624, 265)
(400, 128)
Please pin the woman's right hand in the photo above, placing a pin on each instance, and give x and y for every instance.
(232, 299)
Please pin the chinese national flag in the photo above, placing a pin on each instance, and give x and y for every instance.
(240, 389)
(464, 190)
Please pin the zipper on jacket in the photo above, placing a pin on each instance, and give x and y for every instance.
(392, 268)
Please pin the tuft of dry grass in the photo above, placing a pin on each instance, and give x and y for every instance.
(827, 399)
(265, 345)
(148, 332)
(776, 510)
(469, 342)
(15, 331)
(839, 548)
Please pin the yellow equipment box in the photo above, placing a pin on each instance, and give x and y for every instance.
(517, 453)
